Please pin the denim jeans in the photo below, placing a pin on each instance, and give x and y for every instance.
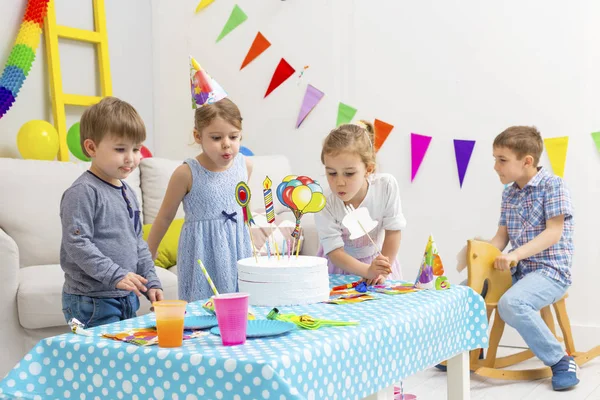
(95, 311)
(519, 307)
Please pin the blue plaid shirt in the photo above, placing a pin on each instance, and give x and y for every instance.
(525, 212)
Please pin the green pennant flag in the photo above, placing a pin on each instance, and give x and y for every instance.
(235, 19)
(345, 114)
(596, 137)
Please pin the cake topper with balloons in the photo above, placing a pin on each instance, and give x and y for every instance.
(302, 195)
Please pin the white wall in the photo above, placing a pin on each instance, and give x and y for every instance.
(463, 70)
(129, 35)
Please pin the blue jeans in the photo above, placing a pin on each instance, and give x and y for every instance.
(519, 307)
(95, 311)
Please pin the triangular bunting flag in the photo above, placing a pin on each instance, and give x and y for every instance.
(311, 99)
(235, 19)
(259, 45)
(418, 147)
(382, 131)
(345, 114)
(203, 4)
(281, 74)
(596, 137)
(463, 150)
(557, 153)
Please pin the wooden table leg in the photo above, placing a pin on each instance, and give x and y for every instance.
(459, 377)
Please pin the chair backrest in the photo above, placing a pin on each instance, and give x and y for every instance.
(480, 266)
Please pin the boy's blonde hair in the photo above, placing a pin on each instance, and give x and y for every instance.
(111, 116)
(351, 138)
(224, 108)
(523, 141)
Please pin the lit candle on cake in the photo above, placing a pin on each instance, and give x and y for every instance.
(269, 209)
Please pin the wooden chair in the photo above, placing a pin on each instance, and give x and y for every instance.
(480, 265)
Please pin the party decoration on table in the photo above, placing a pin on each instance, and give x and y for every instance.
(242, 196)
(259, 45)
(22, 55)
(263, 328)
(205, 90)
(283, 71)
(463, 150)
(203, 4)
(394, 289)
(302, 195)
(38, 140)
(236, 18)
(425, 278)
(148, 336)
(74, 142)
(556, 148)
(345, 114)
(351, 298)
(382, 131)
(359, 223)
(306, 321)
(312, 96)
(270, 212)
(209, 307)
(78, 328)
(442, 283)
(418, 147)
(596, 138)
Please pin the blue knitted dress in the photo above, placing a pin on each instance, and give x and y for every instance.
(213, 231)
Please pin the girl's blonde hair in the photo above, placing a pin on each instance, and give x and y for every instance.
(225, 108)
(351, 138)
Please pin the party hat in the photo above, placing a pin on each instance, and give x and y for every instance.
(205, 90)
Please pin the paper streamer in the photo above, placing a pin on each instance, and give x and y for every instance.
(596, 137)
(382, 131)
(346, 114)
(463, 149)
(281, 74)
(259, 45)
(312, 96)
(418, 147)
(557, 153)
(235, 19)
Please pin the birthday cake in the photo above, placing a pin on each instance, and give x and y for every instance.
(284, 282)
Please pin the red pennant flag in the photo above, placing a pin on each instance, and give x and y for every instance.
(259, 45)
(281, 74)
(382, 131)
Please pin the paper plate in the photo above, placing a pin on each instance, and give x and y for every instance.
(199, 322)
(263, 328)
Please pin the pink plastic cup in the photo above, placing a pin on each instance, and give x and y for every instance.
(232, 317)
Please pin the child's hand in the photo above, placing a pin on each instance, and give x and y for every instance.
(379, 266)
(155, 295)
(134, 283)
(505, 261)
(380, 280)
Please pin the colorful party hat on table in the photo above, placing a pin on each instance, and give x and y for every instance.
(205, 90)
(430, 266)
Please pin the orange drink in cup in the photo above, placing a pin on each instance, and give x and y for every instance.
(169, 322)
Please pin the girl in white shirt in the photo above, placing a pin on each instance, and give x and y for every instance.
(349, 158)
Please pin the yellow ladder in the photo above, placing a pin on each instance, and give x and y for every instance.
(99, 37)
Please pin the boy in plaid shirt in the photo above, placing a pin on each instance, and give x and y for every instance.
(537, 219)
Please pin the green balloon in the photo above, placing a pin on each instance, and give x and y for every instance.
(74, 143)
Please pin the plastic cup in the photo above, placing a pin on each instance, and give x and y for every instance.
(232, 317)
(169, 322)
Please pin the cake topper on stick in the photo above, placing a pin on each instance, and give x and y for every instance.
(242, 196)
(270, 213)
(359, 223)
(302, 195)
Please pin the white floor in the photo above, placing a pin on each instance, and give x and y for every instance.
(431, 384)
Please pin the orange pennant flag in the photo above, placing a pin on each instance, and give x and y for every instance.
(259, 45)
(382, 131)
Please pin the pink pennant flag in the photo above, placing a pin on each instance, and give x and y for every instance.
(418, 147)
(463, 150)
(311, 99)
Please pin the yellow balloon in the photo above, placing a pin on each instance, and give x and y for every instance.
(37, 140)
(301, 196)
(316, 203)
(289, 178)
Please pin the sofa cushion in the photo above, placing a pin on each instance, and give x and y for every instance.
(39, 297)
(155, 174)
(166, 254)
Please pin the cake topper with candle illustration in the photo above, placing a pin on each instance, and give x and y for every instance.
(302, 195)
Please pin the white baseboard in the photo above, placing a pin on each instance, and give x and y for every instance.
(584, 336)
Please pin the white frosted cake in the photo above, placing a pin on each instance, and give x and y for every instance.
(284, 282)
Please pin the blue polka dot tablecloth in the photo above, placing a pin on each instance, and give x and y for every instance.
(397, 337)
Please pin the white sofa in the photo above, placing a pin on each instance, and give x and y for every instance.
(31, 279)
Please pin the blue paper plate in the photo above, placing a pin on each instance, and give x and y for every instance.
(199, 322)
(263, 328)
